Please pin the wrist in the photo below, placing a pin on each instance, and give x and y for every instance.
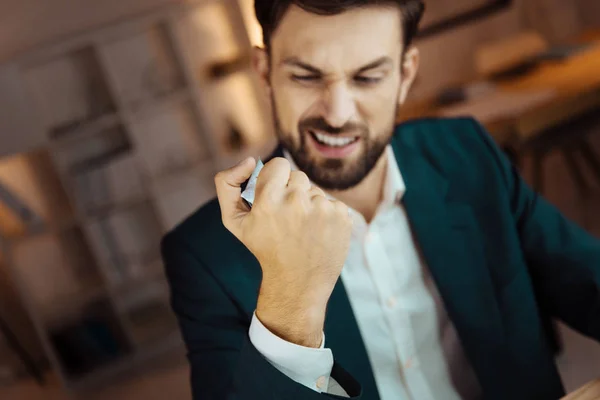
(292, 318)
(312, 292)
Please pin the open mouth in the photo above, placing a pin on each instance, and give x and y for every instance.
(332, 140)
(334, 146)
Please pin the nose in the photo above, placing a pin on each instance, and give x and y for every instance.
(339, 105)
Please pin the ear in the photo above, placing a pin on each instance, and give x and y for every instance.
(410, 67)
(260, 62)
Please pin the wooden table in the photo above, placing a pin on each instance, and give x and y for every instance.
(575, 83)
(591, 391)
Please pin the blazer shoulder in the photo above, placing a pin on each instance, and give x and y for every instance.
(462, 138)
(459, 148)
(457, 129)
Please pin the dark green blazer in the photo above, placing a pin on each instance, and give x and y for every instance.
(504, 261)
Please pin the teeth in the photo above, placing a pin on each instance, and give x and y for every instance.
(333, 141)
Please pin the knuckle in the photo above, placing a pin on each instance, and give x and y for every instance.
(300, 175)
(322, 204)
(263, 202)
(340, 207)
(315, 191)
(274, 171)
(279, 163)
(349, 223)
(342, 212)
(294, 195)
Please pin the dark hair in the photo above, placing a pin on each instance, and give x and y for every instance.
(270, 12)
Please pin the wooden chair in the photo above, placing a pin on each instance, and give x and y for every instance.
(538, 134)
(563, 126)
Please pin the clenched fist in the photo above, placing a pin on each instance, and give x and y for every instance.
(299, 237)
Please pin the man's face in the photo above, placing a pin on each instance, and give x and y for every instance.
(335, 86)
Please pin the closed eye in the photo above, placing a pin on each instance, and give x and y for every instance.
(367, 80)
(306, 78)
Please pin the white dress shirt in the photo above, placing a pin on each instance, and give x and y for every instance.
(412, 346)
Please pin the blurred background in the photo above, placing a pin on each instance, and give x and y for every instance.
(115, 116)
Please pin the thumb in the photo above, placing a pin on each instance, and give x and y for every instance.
(228, 184)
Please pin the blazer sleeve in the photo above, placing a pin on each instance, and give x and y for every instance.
(224, 363)
(563, 259)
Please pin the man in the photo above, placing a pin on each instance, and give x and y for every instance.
(377, 262)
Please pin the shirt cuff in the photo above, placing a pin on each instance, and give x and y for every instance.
(308, 366)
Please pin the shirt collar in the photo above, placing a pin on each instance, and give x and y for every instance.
(394, 187)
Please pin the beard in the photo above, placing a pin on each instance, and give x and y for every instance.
(334, 174)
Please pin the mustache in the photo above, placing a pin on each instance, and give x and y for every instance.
(321, 125)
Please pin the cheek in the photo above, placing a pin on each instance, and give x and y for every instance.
(293, 105)
(378, 108)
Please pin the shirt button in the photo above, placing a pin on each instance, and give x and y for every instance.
(391, 302)
(321, 383)
(409, 363)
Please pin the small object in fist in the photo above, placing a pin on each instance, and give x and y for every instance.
(250, 191)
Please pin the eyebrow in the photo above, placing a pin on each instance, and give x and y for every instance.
(376, 64)
(296, 62)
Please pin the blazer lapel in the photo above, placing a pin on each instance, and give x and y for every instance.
(343, 337)
(446, 232)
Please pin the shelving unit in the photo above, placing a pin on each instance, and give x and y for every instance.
(137, 118)
(56, 273)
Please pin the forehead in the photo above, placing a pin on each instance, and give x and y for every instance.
(347, 40)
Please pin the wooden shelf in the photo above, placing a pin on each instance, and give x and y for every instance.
(168, 138)
(99, 160)
(142, 66)
(46, 229)
(82, 156)
(222, 69)
(56, 268)
(179, 193)
(198, 167)
(137, 358)
(34, 182)
(112, 209)
(126, 242)
(150, 322)
(110, 187)
(153, 275)
(83, 130)
(78, 79)
(176, 97)
(88, 343)
(146, 292)
(70, 310)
